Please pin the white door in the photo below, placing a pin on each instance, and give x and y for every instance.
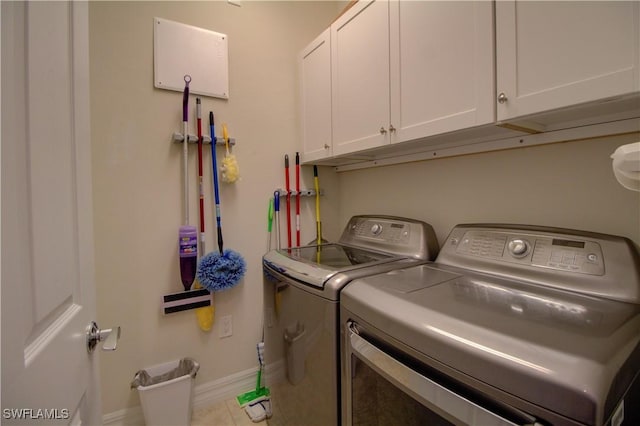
(554, 54)
(48, 295)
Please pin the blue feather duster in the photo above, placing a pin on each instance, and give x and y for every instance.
(218, 272)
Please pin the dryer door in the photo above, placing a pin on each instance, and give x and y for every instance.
(384, 386)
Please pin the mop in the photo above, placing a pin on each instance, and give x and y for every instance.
(257, 402)
(187, 234)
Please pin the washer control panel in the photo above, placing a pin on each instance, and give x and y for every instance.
(383, 230)
(564, 254)
(398, 236)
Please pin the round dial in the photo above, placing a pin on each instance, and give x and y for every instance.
(376, 229)
(518, 247)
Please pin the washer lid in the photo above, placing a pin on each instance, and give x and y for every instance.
(563, 351)
(314, 265)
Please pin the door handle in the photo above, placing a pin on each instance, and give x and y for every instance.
(109, 336)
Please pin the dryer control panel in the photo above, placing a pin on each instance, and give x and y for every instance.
(571, 255)
(586, 262)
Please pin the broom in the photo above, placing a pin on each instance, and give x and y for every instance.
(205, 314)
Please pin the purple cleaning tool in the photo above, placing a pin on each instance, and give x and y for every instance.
(187, 235)
(188, 255)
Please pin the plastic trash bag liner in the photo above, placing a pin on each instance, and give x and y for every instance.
(186, 366)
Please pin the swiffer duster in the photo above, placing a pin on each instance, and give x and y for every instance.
(219, 270)
(230, 169)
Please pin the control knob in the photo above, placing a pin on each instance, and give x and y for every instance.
(376, 229)
(518, 247)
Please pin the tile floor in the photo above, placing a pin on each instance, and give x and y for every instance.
(226, 413)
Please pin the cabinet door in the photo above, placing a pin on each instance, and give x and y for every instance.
(557, 54)
(315, 76)
(442, 67)
(360, 77)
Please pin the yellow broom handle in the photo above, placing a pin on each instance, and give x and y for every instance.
(317, 188)
(225, 136)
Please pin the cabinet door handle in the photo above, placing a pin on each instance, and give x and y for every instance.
(392, 129)
(382, 130)
(502, 98)
(326, 146)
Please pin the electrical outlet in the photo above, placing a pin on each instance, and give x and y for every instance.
(226, 326)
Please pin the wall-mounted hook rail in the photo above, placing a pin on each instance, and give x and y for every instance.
(179, 137)
(303, 192)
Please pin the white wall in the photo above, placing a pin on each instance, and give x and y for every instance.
(137, 176)
(568, 185)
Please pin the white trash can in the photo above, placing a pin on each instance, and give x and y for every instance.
(166, 392)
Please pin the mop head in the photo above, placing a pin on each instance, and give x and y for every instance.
(220, 271)
(253, 396)
(259, 410)
(229, 168)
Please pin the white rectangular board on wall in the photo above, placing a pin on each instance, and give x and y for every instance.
(180, 49)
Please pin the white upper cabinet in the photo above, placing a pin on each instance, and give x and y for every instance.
(442, 67)
(398, 78)
(360, 77)
(557, 54)
(315, 78)
(407, 70)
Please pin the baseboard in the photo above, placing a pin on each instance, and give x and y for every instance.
(223, 389)
(204, 395)
(127, 417)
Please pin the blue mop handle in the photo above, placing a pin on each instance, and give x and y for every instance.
(215, 178)
(276, 204)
